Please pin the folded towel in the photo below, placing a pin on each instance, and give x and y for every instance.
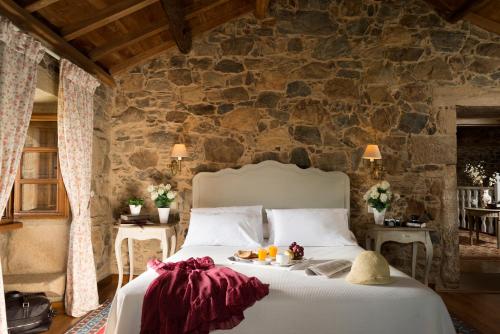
(328, 268)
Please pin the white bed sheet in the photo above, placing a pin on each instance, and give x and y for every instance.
(305, 304)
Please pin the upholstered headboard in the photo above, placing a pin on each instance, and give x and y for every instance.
(273, 185)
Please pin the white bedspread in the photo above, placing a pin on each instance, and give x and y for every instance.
(308, 304)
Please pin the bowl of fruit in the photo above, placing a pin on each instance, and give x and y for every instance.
(295, 251)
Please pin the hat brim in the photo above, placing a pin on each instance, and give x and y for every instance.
(371, 281)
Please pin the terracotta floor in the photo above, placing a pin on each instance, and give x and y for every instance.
(485, 249)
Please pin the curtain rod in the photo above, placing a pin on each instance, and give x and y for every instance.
(52, 53)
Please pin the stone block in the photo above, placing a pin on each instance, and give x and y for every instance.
(437, 149)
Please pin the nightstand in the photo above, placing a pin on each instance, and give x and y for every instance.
(166, 233)
(381, 234)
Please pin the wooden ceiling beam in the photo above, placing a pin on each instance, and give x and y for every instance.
(466, 7)
(141, 57)
(261, 7)
(483, 22)
(128, 39)
(39, 4)
(25, 21)
(179, 29)
(104, 17)
(144, 56)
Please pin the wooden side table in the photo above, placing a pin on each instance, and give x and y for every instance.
(166, 233)
(476, 217)
(381, 234)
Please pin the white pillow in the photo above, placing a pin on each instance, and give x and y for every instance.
(270, 230)
(223, 229)
(252, 209)
(311, 227)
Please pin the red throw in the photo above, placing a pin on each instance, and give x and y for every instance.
(196, 297)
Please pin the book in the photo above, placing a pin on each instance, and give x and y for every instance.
(134, 217)
(328, 268)
(417, 225)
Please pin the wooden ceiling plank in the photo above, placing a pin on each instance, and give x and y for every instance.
(25, 21)
(261, 8)
(128, 39)
(179, 29)
(141, 57)
(205, 8)
(466, 7)
(104, 17)
(39, 4)
(483, 22)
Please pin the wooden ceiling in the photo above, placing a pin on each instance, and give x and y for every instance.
(107, 37)
(483, 13)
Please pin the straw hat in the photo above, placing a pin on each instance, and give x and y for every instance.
(369, 268)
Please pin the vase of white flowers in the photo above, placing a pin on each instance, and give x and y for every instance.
(476, 173)
(379, 198)
(163, 196)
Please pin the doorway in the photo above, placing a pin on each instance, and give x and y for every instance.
(478, 159)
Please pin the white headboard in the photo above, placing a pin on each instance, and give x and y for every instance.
(273, 185)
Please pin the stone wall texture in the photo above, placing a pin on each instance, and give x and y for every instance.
(311, 85)
(475, 144)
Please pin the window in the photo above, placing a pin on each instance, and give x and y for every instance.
(39, 190)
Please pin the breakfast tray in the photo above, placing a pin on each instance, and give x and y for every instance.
(267, 263)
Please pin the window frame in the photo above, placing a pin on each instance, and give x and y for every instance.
(62, 203)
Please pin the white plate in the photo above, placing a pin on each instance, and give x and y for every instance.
(262, 263)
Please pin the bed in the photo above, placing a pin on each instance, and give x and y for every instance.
(297, 303)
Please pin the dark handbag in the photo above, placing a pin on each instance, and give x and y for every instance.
(28, 312)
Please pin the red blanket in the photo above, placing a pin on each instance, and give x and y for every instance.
(195, 297)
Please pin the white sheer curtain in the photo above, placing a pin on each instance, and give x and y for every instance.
(75, 116)
(19, 57)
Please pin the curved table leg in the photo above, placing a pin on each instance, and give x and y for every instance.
(414, 259)
(429, 253)
(173, 243)
(164, 245)
(119, 262)
(130, 242)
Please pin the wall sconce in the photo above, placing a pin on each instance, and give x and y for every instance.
(178, 152)
(372, 154)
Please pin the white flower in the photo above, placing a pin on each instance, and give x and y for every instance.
(374, 194)
(161, 191)
(383, 198)
(151, 188)
(389, 194)
(385, 185)
(168, 187)
(171, 194)
(154, 195)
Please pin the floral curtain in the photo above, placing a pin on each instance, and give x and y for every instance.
(19, 58)
(75, 127)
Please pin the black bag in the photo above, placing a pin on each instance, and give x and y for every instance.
(28, 312)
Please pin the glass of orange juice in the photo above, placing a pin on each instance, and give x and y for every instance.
(273, 250)
(262, 254)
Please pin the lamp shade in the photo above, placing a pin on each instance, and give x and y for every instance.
(179, 151)
(372, 152)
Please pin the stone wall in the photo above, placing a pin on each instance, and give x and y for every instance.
(475, 144)
(311, 85)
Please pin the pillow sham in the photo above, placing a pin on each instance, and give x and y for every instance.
(311, 227)
(223, 229)
(252, 209)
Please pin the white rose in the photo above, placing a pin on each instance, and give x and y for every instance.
(171, 194)
(374, 194)
(383, 198)
(154, 195)
(151, 188)
(384, 185)
(168, 186)
(161, 191)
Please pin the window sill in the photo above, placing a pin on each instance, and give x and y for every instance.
(7, 227)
